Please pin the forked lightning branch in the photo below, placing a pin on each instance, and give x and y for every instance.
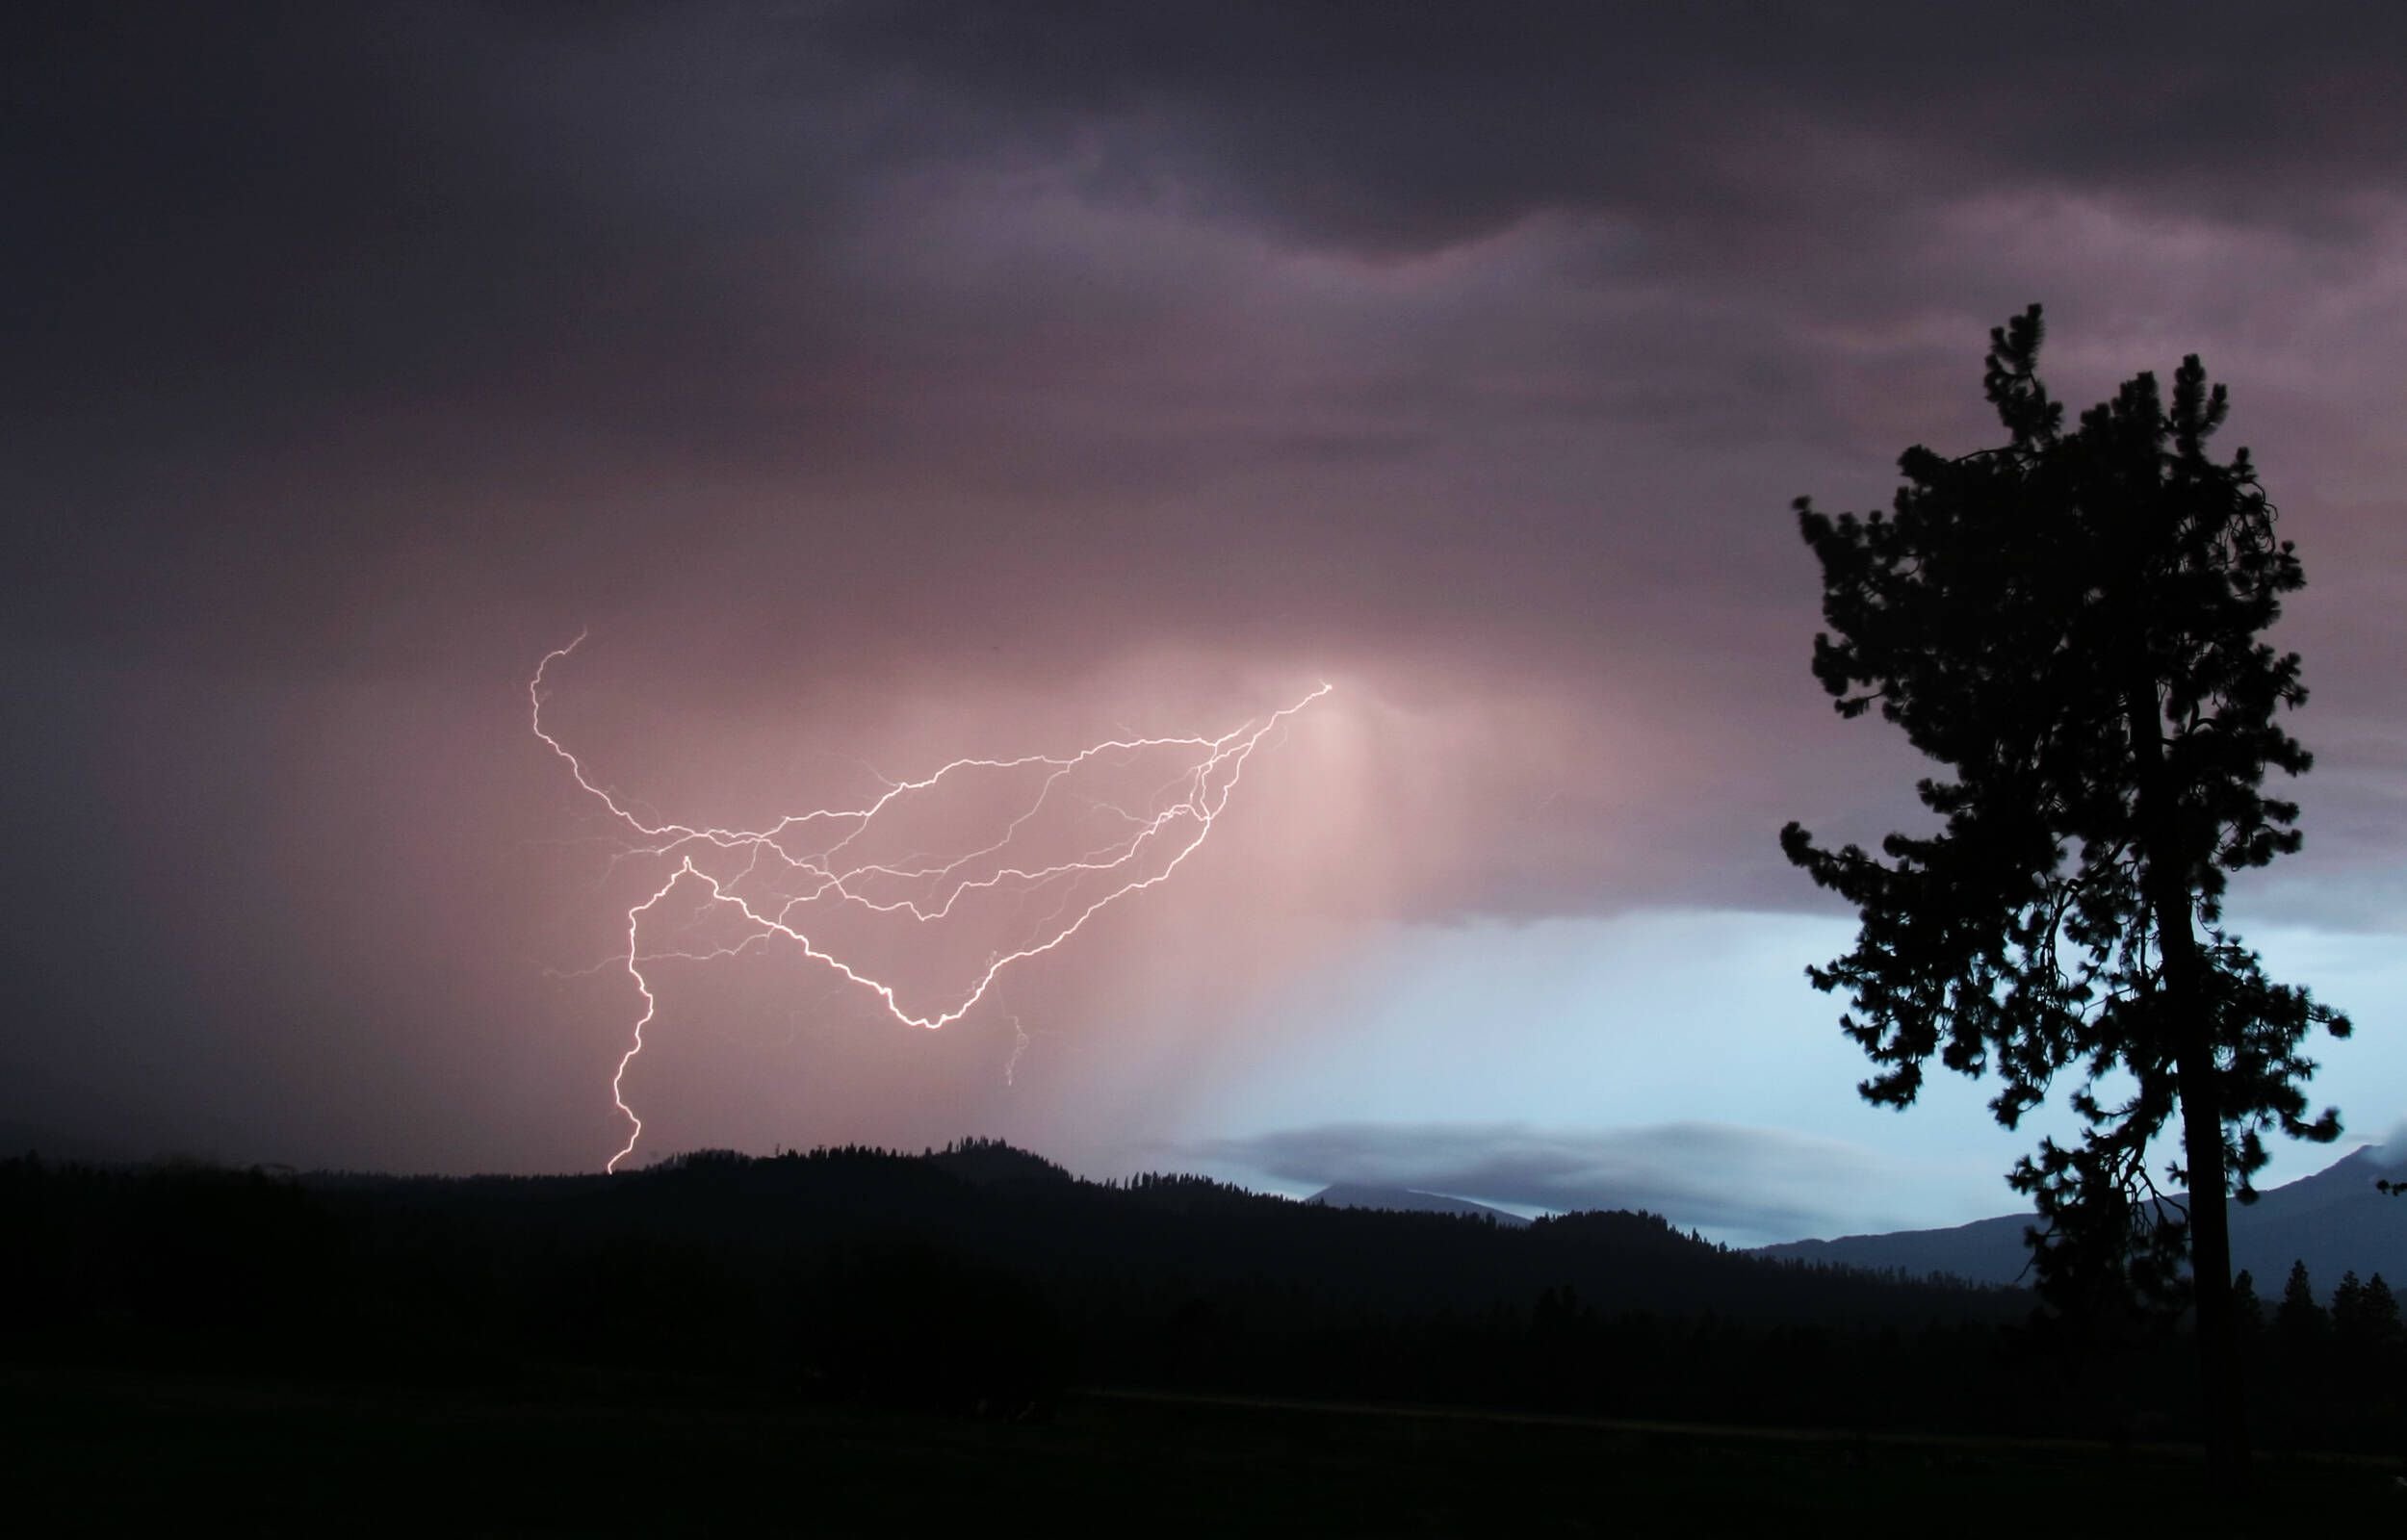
(1027, 849)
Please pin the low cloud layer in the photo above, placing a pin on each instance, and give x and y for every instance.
(1754, 1182)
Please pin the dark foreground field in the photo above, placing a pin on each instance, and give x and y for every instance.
(864, 1343)
(92, 1453)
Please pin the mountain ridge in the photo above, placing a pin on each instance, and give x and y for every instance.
(2334, 1220)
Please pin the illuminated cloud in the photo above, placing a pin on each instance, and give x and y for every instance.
(885, 382)
(1751, 1183)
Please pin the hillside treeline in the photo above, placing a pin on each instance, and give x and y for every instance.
(982, 1280)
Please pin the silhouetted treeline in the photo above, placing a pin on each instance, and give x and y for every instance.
(2330, 1374)
(981, 1278)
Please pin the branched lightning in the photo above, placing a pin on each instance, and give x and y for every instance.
(768, 882)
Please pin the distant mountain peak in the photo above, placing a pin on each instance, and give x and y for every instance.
(2335, 1222)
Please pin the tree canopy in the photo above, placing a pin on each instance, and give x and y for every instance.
(2072, 624)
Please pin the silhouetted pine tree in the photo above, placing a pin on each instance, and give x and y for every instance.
(2247, 1310)
(2070, 622)
(2365, 1316)
(2300, 1320)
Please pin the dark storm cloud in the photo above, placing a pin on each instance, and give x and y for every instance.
(259, 211)
(1342, 329)
(1397, 129)
(304, 295)
(264, 207)
(1749, 1179)
(287, 276)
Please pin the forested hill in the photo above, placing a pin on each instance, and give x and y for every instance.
(717, 1258)
(982, 1276)
(1005, 1208)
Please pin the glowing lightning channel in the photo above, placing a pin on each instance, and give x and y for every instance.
(1018, 1046)
(1188, 804)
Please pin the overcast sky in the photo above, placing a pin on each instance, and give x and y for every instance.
(878, 385)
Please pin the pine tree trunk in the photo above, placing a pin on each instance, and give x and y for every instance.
(2222, 1397)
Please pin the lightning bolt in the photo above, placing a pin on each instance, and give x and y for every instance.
(1018, 1046)
(744, 873)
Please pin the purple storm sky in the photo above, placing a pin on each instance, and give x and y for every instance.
(879, 384)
